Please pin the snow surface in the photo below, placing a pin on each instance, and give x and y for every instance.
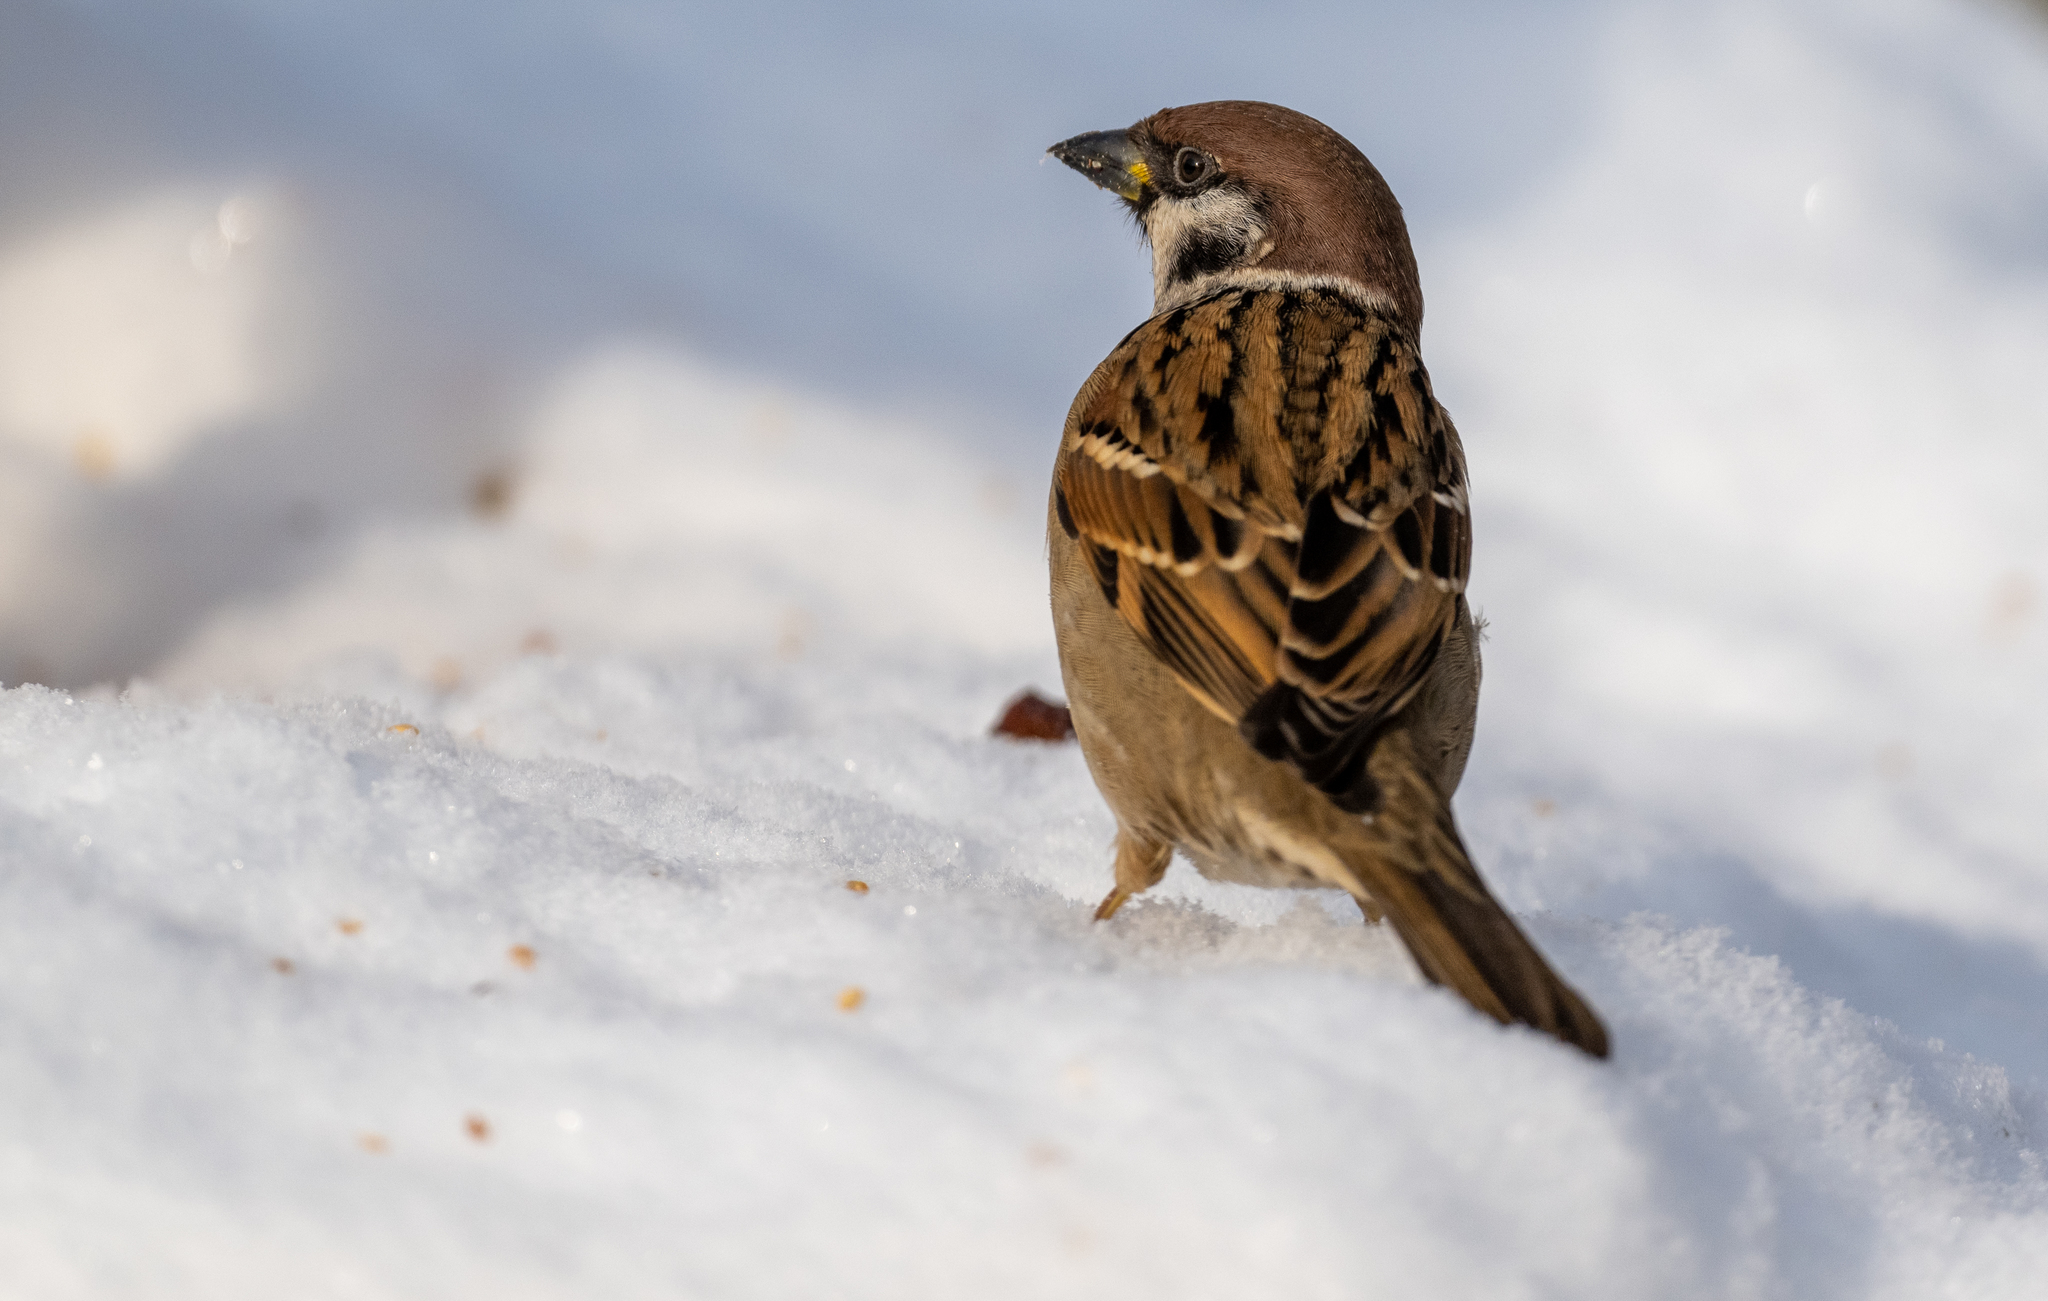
(522, 505)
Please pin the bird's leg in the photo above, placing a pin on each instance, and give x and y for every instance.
(1374, 915)
(1139, 865)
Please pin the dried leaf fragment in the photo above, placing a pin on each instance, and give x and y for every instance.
(522, 955)
(851, 998)
(1031, 717)
(349, 925)
(282, 966)
(374, 1144)
(477, 1127)
(858, 887)
(403, 729)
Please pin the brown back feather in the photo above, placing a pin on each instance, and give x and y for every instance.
(1277, 505)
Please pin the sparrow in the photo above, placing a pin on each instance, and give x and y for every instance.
(1259, 532)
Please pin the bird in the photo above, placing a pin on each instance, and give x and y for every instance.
(1259, 533)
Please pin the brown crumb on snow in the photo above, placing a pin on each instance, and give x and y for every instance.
(1032, 717)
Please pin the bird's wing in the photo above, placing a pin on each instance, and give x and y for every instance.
(1271, 497)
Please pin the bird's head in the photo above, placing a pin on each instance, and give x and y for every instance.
(1239, 192)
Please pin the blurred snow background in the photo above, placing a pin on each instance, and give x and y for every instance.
(644, 410)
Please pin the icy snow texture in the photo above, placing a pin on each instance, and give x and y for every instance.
(568, 483)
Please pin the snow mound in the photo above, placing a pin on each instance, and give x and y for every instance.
(335, 992)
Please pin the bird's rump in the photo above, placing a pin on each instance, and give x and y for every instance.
(1274, 502)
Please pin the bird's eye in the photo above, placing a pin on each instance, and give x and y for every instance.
(1192, 166)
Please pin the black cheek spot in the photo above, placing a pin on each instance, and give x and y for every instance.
(1202, 253)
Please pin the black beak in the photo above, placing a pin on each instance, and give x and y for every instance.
(1108, 158)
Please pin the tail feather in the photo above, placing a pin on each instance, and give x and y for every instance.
(1461, 937)
(1493, 957)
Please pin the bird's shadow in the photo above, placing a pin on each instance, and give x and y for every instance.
(1981, 994)
(1984, 995)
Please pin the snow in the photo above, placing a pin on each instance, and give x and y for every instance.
(519, 508)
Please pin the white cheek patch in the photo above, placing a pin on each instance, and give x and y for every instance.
(1221, 215)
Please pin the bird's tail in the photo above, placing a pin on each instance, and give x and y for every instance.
(1417, 870)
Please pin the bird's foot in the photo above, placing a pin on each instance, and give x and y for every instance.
(1111, 902)
(1140, 862)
